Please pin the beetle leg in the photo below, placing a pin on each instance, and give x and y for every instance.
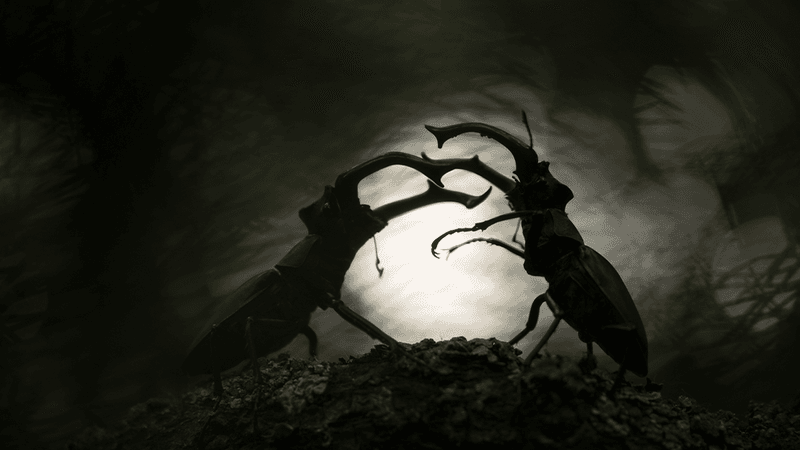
(251, 348)
(533, 317)
(215, 362)
(622, 369)
(557, 314)
(588, 363)
(492, 241)
(373, 331)
(256, 430)
(312, 341)
(480, 226)
(620, 374)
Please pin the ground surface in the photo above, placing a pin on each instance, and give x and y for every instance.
(476, 396)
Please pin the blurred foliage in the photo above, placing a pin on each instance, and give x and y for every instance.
(733, 326)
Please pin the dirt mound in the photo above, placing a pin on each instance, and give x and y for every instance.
(473, 394)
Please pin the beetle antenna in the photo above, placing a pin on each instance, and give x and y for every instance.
(514, 238)
(527, 127)
(377, 260)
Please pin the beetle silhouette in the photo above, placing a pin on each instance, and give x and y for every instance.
(584, 288)
(269, 310)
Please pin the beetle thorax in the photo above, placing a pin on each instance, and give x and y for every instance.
(344, 225)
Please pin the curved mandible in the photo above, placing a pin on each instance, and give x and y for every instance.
(347, 183)
(478, 167)
(525, 156)
(434, 194)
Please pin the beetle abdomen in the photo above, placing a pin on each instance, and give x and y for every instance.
(266, 296)
(596, 302)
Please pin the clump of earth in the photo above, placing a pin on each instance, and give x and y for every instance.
(467, 394)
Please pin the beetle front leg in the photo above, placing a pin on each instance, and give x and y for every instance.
(588, 363)
(312, 341)
(533, 317)
(251, 348)
(557, 313)
(215, 362)
(373, 331)
(492, 241)
(531, 324)
(480, 226)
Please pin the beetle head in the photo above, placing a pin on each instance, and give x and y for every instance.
(314, 215)
(543, 190)
(526, 161)
(351, 223)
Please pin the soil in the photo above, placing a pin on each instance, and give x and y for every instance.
(470, 394)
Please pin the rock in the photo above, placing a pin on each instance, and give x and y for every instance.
(472, 394)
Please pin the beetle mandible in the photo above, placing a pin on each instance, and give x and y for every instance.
(269, 310)
(584, 288)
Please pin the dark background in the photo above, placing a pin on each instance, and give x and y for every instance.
(154, 156)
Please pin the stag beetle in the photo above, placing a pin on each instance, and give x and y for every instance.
(584, 288)
(269, 310)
